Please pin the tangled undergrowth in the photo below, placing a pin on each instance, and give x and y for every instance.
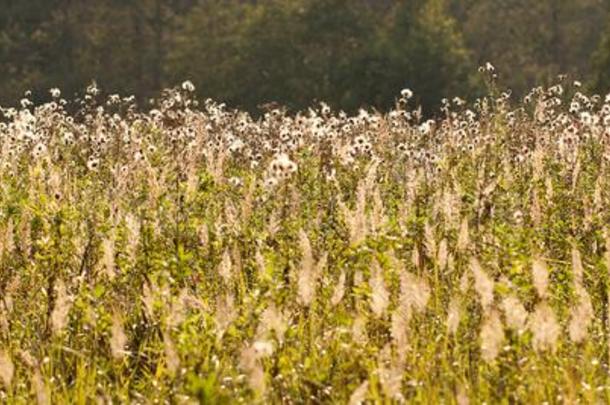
(192, 253)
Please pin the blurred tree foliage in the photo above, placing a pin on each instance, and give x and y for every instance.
(350, 53)
(531, 42)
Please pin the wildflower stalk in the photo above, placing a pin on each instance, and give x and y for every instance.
(53, 272)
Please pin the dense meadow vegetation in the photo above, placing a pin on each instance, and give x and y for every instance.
(192, 253)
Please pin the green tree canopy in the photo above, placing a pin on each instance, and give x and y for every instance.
(350, 53)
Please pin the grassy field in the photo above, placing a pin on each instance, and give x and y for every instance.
(196, 254)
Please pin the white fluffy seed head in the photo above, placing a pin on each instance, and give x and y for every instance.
(61, 309)
(225, 268)
(545, 328)
(483, 284)
(577, 267)
(515, 313)
(359, 395)
(308, 271)
(118, 338)
(463, 241)
(7, 369)
(380, 296)
(339, 290)
(581, 315)
(540, 275)
(453, 316)
(492, 336)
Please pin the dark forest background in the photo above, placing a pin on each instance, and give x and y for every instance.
(350, 53)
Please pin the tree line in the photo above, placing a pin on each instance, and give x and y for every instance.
(349, 53)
